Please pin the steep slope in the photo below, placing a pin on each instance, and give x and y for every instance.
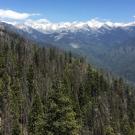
(44, 91)
(26, 32)
(105, 44)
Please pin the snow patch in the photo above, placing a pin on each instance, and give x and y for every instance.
(60, 36)
(74, 45)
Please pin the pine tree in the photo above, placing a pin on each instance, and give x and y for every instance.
(36, 117)
(15, 105)
(1, 96)
(5, 114)
(61, 118)
(16, 128)
(109, 131)
(30, 82)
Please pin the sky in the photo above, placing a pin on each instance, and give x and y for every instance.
(68, 10)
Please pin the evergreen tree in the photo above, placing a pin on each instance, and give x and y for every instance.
(109, 131)
(30, 82)
(85, 102)
(61, 118)
(36, 117)
(15, 105)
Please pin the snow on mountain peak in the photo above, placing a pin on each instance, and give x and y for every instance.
(46, 26)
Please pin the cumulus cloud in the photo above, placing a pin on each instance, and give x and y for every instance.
(10, 14)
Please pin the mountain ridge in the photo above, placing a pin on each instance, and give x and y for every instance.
(111, 48)
(45, 91)
(45, 26)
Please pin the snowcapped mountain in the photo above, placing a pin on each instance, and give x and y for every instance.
(108, 45)
(45, 26)
(80, 33)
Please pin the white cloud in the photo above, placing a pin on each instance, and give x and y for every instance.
(10, 14)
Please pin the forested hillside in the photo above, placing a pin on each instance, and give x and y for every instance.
(44, 91)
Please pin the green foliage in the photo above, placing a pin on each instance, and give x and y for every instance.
(61, 117)
(36, 117)
(109, 131)
(30, 80)
(44, 91)
(15, 103)
(16, 128)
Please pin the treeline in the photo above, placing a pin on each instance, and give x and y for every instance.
(44, 91)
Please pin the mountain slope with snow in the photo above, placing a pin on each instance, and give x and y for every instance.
(48, 27)
(105, 44)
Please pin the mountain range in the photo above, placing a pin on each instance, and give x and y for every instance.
(48, 91)
(105, 44)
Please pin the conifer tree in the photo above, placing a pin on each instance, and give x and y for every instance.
(61, 118)
(30, 80)
(36, 117)
(15, 105)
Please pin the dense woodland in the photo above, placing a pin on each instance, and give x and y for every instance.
(45, 91)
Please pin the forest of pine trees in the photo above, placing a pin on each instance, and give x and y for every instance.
(46, 91)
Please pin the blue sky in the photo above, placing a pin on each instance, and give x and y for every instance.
(74, 10)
